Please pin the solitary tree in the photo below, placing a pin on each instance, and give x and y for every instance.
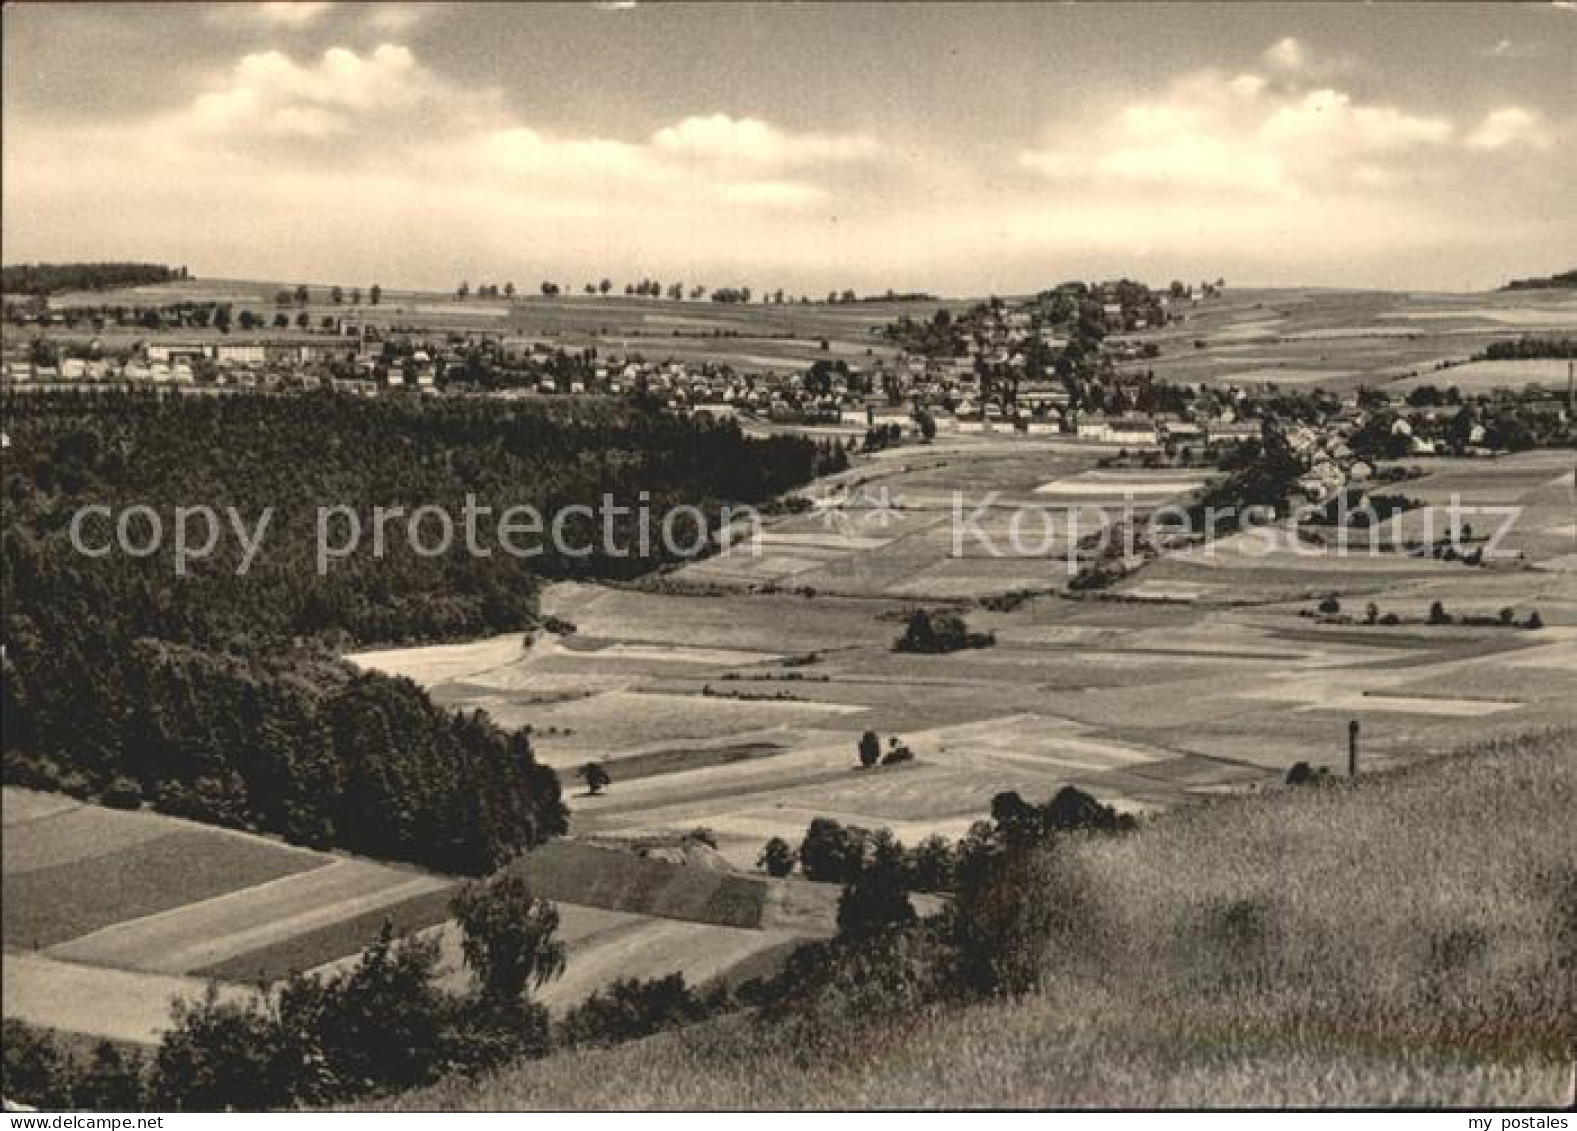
(337, 295)
(375, 296)
(777, 857)
(507, 937)
(1437, 614)
(870, 749)
(303, 296)
(595, 777)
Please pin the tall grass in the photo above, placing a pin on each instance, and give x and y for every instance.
(1410, 939)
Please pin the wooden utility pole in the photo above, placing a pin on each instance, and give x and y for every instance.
(1352, 749)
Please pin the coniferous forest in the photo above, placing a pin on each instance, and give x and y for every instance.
(220, 696)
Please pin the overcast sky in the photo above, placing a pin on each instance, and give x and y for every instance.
(960, 150)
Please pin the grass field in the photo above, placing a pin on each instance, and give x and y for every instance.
(52, 904)
(1402, 942)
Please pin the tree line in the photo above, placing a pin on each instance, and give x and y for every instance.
(53, 278)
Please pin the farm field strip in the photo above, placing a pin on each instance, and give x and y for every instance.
(115, 1005)
(209, 931)
(19, 807)
(182, 867)
(74, 833)
(681, 654)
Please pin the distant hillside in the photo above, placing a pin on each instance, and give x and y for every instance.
(1407, 942)
(1565, 280)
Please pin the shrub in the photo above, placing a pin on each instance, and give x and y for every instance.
(35, 1070)
(877, 898)
(123, 793)
(833, 852)
(110, 1080)
(870, 749)
(1005, 942)
(939, 630)
(224, 1055)
(1330, 606)
(1302, 773)
(932, 864)
(629, 1009)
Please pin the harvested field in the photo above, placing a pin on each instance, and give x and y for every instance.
(115, 1005)
(444, 661)
(52, 904)
(203, 933)
(1482, 376)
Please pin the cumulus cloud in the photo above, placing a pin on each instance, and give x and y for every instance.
(741, 160)
(1285, 54)
(367, 108)
(1338, 126)
(1509, 126)
(1242, 132)
(753, 142)
(270, 93)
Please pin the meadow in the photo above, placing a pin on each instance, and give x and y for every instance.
(1401, 941)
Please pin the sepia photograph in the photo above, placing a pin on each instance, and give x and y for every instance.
(640, 557)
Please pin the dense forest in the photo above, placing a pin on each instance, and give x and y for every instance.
(218, 695)
(54, 278)
(1544, 282)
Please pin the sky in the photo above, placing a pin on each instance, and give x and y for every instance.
(957, 149)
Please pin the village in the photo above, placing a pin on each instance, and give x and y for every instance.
(1074, 364)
